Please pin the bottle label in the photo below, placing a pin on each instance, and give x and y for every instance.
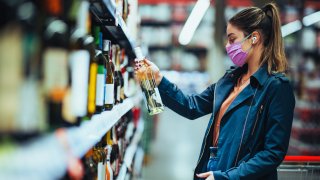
(109, 172)
(126, 83)
(109, 96)
(118, 93)
(145, 101)
(79, 63)
(92, 88)
(101, 171)
(157, 97)
(55, 70)
(100, 89)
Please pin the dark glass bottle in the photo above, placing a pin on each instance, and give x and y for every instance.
(101, 70)
(109, 86)
(100, 83)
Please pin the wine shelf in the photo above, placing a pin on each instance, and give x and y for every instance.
(106, 15)
(47, 157)
(131, 151)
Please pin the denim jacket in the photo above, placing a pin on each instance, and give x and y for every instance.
(255, 129)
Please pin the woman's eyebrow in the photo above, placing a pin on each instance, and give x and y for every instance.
(230, 34)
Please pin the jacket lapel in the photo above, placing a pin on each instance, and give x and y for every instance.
(223, 89)
(244, 95)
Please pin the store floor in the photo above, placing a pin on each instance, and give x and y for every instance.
(174, 153)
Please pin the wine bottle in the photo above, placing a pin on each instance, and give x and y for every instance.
(122, 70)
(23, 110)
(125, 10)
(55, 69)
(130, 88)
(109, 86)
(79, 59)
(118, 75)
(100, 83)
(101, 71)
(109, 172)
(100, 157)
(89, 44)
(151, 96)
(115, 74)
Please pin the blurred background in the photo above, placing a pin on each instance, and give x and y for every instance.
(39, 85)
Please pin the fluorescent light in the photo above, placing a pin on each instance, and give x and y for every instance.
(311, 19)
(291, 27)
(193, 21)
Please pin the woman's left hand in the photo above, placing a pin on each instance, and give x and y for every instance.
(207, 175)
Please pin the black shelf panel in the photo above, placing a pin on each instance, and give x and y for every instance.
(104, 14)
(156, 23)
(160, 48)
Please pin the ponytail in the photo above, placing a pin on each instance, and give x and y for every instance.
(273, 53)
(267, 21)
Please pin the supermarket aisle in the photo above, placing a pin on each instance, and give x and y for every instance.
(175, 151)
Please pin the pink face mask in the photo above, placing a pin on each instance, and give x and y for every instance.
(236, 54)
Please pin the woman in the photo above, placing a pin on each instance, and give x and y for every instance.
(252, 105)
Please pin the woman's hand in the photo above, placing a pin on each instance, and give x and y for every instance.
(157, 74)
(207, 175)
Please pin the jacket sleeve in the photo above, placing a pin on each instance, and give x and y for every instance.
(192, 106)
(276, 140)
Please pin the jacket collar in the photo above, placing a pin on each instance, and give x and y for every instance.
(225, 86)
(260, 76)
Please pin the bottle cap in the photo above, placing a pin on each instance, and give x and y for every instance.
(106, 45)
(98, 52)
(139, 53)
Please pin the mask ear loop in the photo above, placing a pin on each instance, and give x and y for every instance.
(244, 40)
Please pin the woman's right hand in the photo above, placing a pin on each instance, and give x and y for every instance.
(157, 74)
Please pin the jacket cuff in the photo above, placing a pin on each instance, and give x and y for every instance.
(231, 174)
(164, 83)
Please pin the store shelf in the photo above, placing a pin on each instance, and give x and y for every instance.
(82, 138)
(46, 157)
(297, 147)
(131, 151)
(306, 132)
(105, 14)
(156, 23)
(160, 48)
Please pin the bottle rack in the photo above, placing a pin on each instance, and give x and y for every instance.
(47, 157)
(106, 14)
(131, 151)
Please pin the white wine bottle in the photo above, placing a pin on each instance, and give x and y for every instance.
(148, 85)
(109, 87)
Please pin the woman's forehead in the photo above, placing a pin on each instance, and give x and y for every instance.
(233, 30)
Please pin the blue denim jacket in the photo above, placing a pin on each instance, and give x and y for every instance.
(254, 131)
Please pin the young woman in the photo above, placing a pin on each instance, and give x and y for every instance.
(252, 105)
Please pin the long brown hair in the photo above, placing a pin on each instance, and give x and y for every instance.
(265, 20)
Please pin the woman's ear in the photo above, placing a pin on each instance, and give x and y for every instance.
(255, 38)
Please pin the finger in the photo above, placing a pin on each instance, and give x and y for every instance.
(209, 178)
(148, 62)
(137, 67)
(204, 175)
